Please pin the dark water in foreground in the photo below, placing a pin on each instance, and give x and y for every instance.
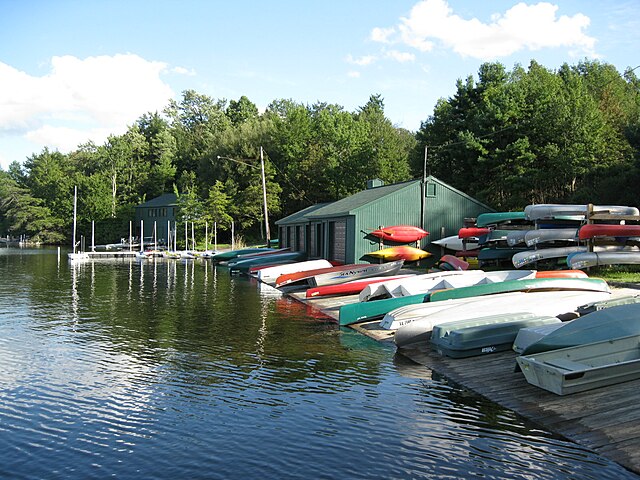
(171, 370)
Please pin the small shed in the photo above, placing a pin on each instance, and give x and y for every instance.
(160, 211)
(340, 231)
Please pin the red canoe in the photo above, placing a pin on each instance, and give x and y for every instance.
(469, 232)
(348, 288)
(603, 230)
(400, 233)
(561, 274)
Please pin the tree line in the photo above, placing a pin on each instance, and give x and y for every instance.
(509, 138)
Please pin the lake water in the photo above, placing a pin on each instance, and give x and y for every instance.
(175, 370)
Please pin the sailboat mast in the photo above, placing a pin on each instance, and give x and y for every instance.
(75, 211)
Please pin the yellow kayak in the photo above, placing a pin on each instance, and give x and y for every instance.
(403, 252)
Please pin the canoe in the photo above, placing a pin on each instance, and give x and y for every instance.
(561, 274)
(594, 259)
(594, 230)
(496, 254)
(366, 311)
(230, 254)
(484, 335)
(553, 210)
(495, 218)
(402, 252)
(468, 254)
(273, 251)
(613, 302)
(348, 288)
(516, 237)
(270, 275)
(526, 257)
(400, 233)
(243, 265)
(584, 367)
(613, 322)
(560, 304)
(338, 274)
(543, 235)
(494, 236)
(467, 232)
(456, 243)
(528, 285)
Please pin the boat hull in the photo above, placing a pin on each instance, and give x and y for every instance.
(400, 233)
(403, 252)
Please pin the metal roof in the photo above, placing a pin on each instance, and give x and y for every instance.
(164, 200)
(300, 215)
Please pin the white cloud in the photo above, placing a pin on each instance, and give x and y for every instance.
(381, 34)
(401, 56)
(362, 61)
(190, 72)
(532, 27)
(353, 74)
(79, 99)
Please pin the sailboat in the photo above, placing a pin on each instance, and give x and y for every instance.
(76, 256)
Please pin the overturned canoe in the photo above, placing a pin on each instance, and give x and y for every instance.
(269, 275)
(595, 230)
(338, 274)
(594, 259)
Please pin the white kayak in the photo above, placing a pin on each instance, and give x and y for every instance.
(554, 303)
(269, 275)
(456, 243)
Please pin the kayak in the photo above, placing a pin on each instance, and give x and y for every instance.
(403, 252)
(594, 230)
(400, 233)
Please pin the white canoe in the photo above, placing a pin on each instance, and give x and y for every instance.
(553, 210)
(554, 303)
(358, 272)
(542, 235)
(269, 275)
(521, 259)
(594, 259)
(455, 243)
(516, 237)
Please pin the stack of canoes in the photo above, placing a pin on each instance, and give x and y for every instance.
(396, 235)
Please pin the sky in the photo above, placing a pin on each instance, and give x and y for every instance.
(74, 71)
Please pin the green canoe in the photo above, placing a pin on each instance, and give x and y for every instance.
(365, 311)
(231, 254)
(494, 218)
(591, 284)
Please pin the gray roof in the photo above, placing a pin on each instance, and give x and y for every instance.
(301, 215)
(164, 200)
(348, 205)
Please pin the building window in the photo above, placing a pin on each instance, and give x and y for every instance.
(431, 190)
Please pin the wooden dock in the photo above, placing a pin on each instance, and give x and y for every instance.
(605, 420)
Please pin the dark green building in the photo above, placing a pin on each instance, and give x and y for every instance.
(160, 211)
(340, 231)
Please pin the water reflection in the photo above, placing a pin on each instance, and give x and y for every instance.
(165, 369)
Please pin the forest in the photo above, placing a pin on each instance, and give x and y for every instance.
(508, 138)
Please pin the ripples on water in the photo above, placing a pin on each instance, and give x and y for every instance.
(176, 370)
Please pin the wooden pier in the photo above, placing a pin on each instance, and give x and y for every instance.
(605, 420)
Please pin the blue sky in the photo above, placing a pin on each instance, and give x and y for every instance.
(77, 70)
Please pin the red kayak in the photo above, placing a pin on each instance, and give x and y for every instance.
(469, 232)
(400, 233)
(561, 274)
(593, 230)
(349, 288)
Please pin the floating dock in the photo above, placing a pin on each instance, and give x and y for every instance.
(605, 420)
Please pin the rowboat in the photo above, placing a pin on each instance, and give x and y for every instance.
(456, 243)
(601, 325)
(553, 210)
(495, 218)
(400, 233)
(454, 262)
(594, 230)
(584, 367)
(244, 264)
(594, 259)
(270, 275)
(484, 335)
(338, 274)
(230, 254)
(527, 285)
(348, 288)
(402, 252)
(553, 303)
(365, 311)
(543, 235)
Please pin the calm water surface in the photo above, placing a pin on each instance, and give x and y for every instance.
(170, 370)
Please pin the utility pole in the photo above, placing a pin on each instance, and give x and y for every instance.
(264, 198)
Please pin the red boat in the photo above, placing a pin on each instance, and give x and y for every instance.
(469, 232)
(339, 274)
(348, 288)
(400, 233)
(593, 230)
(561, 274)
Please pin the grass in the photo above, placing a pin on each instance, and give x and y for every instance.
(628, 274)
